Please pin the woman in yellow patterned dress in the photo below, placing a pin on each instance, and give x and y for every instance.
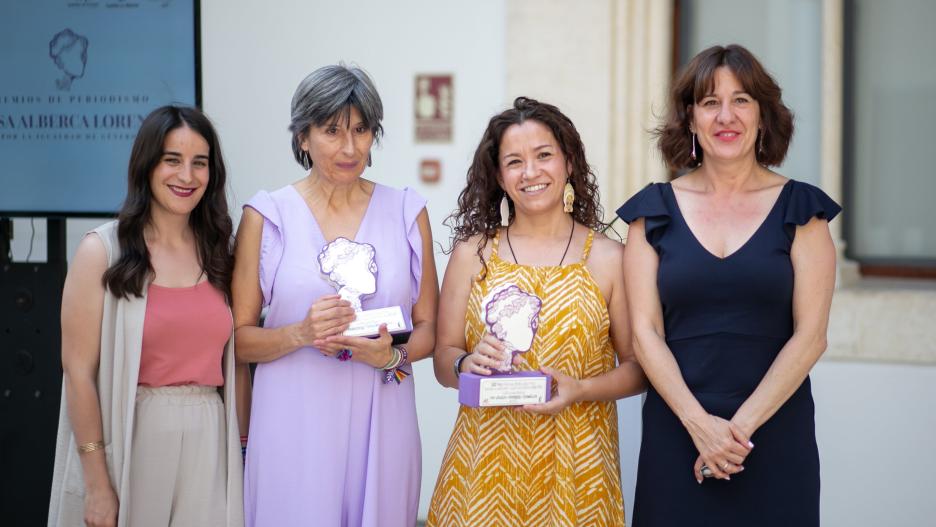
(551, 464)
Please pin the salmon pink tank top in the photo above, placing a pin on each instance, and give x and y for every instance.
(184, 334)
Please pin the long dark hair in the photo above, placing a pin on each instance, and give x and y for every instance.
(209, 220)
(478, 204)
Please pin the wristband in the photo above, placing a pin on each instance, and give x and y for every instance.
(396, 372)
(458, 363)
(394, 359)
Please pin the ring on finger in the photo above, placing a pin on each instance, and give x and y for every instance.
(725, 466)
(706, 472)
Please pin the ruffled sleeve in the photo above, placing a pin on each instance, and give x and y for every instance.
(805, 203)
(649, 204)
(271, 243)
(413, 204)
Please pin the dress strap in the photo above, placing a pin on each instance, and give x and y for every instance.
(495, 242)
(588, 243)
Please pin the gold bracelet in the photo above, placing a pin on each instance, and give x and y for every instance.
(90, 447)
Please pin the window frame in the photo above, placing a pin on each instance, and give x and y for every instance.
(868, 266)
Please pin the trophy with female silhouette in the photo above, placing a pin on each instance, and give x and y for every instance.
(351, 267)
(512, 315)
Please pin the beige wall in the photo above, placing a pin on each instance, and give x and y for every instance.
(605, 64)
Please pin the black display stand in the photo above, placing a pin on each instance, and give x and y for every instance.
(30, 376)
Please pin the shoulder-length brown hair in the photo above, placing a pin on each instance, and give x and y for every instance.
(478, 210)
(209, 220)
(697, 79)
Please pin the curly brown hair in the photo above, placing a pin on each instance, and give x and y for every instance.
(478, 209)
(697, 79)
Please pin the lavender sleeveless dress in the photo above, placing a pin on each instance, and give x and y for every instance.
(330, 443)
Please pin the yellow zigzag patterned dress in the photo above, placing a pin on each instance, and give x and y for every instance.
(511, 468)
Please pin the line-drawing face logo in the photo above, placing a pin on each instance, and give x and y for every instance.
(69, 51)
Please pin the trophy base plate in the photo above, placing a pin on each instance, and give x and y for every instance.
(367, 324)
(504, 389)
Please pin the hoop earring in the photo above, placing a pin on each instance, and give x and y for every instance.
(568, 197)
(505, 211)
(693, 154)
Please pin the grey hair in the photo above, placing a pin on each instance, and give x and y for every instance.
(326, 95)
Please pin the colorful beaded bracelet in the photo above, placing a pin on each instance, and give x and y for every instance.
(396, 371)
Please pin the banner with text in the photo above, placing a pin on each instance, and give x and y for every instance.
(76, 80)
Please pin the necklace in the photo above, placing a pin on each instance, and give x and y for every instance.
(564, 253)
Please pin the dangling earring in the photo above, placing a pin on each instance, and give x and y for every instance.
(505, 211)
(760, 148)
(568, 197)
(370, 160)
(692, 154)
(306, 160)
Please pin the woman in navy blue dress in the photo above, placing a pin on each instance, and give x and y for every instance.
(730, 271)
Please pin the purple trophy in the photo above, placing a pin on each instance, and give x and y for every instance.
(512, 315)
(351, 267)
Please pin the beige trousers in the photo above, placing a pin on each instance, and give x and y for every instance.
(178, 470)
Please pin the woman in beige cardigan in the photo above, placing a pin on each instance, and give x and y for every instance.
(147, 434)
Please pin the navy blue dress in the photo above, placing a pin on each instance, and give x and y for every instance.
(726, 319)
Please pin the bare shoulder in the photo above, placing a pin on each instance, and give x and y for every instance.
(251, 224)
(774, 179)
(605, 248)
(690, 182)
(604, 263)
(91, 253)
(606, 256)
(465, 255)
(423, 218)
(814, 233)
(89, 263)
(251, 217)
(469, 248)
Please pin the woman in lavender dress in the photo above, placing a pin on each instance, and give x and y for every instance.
(332, 442)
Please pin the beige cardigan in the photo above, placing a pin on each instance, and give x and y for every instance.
(121, 343)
